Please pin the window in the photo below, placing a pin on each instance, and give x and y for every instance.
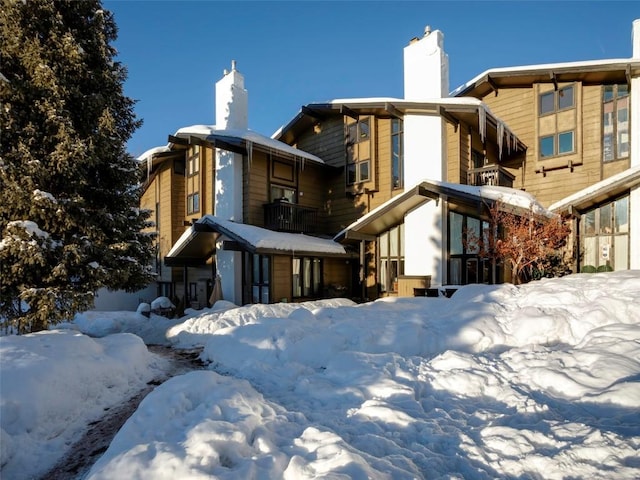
(465, 264)
(615, 122)
(193, 203)
(193, 162)
(359, 131)
(358, 167)
(397, 154)
(259, 278)
(605, 237)
(307, 277)
(391, 258)
(286, 194)
(559, 144)
(551, 102)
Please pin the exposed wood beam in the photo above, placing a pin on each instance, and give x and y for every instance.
(450, 118)
(627, 73)
(348, 112)
(392, 110)
(313, 113)
(223, 145)
(492, 84)
(552, 77)
(178, 140)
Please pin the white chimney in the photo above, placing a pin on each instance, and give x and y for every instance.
(426, 67)
(232, 100)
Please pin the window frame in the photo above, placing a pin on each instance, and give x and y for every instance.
(557, 96)
(397, 153)
(357, 170)
(311, 287)
(613, 128)
(387, 282)
(193, 203)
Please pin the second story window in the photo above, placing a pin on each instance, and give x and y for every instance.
(358, 152)
(397, 154)
(615, 122)
(193, 203)
(557, 122)
(554, 101)
(193, 162)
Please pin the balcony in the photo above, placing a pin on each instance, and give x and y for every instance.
(283, 216)
(490, 175)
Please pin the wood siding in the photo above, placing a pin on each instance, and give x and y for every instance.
(518, 109)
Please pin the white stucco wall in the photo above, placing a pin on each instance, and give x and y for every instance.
(232, 107)
(426, 76)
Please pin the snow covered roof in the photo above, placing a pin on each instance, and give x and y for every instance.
(197, 244)
(244, 136)
(590, 71)
(600, 191)
(392, 212)
(455, 109)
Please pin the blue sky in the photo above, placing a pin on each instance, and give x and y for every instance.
(297, 52)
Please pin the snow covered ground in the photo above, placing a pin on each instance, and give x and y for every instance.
(536, 381)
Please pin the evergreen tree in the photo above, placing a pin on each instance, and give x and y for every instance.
(69, 215)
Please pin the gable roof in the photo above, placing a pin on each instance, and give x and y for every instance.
(393, 211)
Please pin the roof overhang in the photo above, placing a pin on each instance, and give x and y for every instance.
(596, 72)
(470, 111)
(392, 212)
(599, 193)
(198, 243)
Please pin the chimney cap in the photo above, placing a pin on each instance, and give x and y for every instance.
(427, 30)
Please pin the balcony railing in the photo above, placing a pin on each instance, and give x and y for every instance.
(289, 217)
(492, 175)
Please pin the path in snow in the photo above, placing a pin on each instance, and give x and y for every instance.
(86, 451)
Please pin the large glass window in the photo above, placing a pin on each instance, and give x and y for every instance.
(605, 237)
(391, 258)
(465, 263)
(307, 277)
(615, 122)
(193, 162)
(397, 154)
(260, 278)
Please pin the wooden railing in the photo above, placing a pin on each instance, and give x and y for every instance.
(290, 217)
(492, 175)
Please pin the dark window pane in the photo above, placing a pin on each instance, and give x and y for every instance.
(351, 173)
(547, 102)
(607, 93)
(265, 270)
(565, 142)
(547, 146)
(364, 130)
(623, 90)
(364, 171)
(353, 133)
(565, 98)
(607, 147)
